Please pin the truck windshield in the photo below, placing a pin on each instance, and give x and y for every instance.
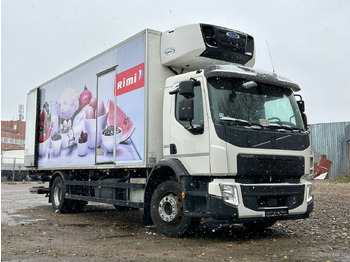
(248, 103)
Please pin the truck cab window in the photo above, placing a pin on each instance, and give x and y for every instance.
(274, 107)
(231, 101)
(198, 119)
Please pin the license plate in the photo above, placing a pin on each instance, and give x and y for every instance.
(276, 212)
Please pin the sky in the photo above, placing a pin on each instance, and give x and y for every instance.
(309, 41)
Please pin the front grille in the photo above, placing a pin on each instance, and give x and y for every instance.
(269, 167)
(270, 179)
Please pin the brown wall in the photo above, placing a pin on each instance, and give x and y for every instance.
(15, 130)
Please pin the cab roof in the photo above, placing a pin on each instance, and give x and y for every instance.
(250, 74)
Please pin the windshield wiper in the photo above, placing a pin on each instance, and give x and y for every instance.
(282, 128)
(241, 122)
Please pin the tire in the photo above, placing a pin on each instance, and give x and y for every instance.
(167, 211)
(58, 191)
(59, 203)
(259, 226)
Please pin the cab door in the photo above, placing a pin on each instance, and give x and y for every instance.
(189, 140)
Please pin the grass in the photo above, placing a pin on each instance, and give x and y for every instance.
(341, 179)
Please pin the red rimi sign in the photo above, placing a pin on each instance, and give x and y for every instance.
(130, 80)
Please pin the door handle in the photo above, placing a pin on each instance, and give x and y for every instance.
(173, 149)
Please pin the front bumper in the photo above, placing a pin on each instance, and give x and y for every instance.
(223, 211)
(272, 201)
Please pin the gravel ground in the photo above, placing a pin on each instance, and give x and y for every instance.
(31, 231)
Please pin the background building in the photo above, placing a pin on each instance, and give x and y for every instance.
(12, 150)
(12, 134)
(332, 140)
(347, 138)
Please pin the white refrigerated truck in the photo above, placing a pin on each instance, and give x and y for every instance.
(178, 124)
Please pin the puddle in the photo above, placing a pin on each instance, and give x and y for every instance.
(17, 219)
(15, 197)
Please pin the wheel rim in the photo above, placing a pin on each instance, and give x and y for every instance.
(170, 208)
(57, 195)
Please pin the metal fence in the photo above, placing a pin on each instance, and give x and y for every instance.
(329, 139)
(13, 169)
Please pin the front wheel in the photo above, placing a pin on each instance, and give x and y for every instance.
(167, 210)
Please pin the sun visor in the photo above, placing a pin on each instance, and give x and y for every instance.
(195, 46)
(249, 74)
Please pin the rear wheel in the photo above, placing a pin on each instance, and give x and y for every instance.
(59, 203)
(167, 210)
(58, 191)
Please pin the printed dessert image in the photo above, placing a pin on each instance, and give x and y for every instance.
(108, 138)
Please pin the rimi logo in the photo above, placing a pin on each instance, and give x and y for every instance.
(130, 80)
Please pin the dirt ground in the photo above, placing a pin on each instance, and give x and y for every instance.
(31, 231)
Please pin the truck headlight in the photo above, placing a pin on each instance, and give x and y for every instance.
(229, 194)
(309, 194)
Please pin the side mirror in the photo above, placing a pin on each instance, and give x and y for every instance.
(303, 115)
(301, 106)
(186, 111)
(300, 103)
(186, 88)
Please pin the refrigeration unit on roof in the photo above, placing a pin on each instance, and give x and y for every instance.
(197, 45)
